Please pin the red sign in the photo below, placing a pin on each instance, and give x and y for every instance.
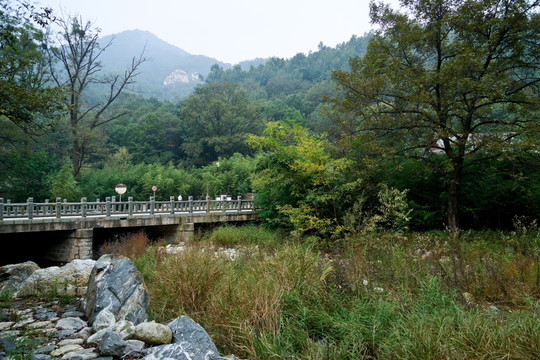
(154, 188)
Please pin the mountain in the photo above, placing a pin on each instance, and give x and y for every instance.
(169, 73)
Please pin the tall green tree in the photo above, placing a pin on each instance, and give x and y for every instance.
(25, 98)
(75, 66)
(457, 79)
(217, 118)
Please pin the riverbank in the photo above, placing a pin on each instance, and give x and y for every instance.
(384, 295)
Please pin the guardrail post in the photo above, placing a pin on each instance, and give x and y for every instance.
(239, 203)
(152, 204)
(83, 207)
(58, 207)
(190, 204)
(207, 203)
(108, 206)
(1, 209)
(130, 205)
(224, 206)
(172, 204)
(46, 208)
(30, 202)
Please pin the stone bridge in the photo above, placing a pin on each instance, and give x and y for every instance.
(63, 231)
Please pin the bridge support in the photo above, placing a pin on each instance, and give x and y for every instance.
(76, 245)
(186, 232)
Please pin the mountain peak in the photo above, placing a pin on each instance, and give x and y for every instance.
(165, 66)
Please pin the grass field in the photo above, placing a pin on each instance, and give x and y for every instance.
(474, 295)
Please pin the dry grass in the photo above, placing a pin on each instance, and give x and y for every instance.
(133, 245)
(382, 296)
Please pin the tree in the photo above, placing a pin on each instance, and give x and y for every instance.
(457, 79)
(78, 54)
(297, 182)
(25, 98)
(217, 118)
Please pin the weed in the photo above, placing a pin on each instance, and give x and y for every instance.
(380, 295)
(130, 246)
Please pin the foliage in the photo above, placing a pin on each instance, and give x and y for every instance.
(62, 184)
(383, 295)
(446, 79)
(233, 179)
(25, 175)
(26, 99)
(217, 118)
(252, 235)
(392, 213)
(297, 182)
(150, 130)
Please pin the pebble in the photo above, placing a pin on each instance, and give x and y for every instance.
(56, 332)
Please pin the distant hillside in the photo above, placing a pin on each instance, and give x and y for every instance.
(170, 72)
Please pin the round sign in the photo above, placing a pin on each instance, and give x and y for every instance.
(120, 189)
(154, 188)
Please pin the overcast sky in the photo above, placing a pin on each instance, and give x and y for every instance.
(229, 30)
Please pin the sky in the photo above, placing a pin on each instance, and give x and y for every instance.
(229, 30)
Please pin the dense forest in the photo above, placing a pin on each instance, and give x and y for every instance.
(421, 125)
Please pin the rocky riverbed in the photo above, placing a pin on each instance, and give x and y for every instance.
(34, 328)
(108, 320)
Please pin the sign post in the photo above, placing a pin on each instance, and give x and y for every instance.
(154, 189)
(120, 189)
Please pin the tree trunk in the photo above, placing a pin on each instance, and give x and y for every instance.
(453, 196)
(76, 159)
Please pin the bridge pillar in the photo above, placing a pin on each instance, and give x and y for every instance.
(76, 245)
(186, 232)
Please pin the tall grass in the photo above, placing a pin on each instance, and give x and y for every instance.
(381, 296)
(132, 245)
(230, 236)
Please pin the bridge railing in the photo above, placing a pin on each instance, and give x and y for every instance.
(110, 207)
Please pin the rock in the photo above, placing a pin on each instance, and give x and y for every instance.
(105, 319)
(469, 298)
(6, 325)
(12, 276)
(134, 348)
(72, 314)
(64, 334)
(70, 342)
(45, 349)
(185, 330)
(111, 344)
(71, 323)
(70, 279)
(40, 325)
(88, 355)
(153, 333)
(125, 328)
(46, 315)
(180, 351)
(84, 354)
(95, 339)
(66, 349)
(41, 357)
(7, 343)
(115, 284)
